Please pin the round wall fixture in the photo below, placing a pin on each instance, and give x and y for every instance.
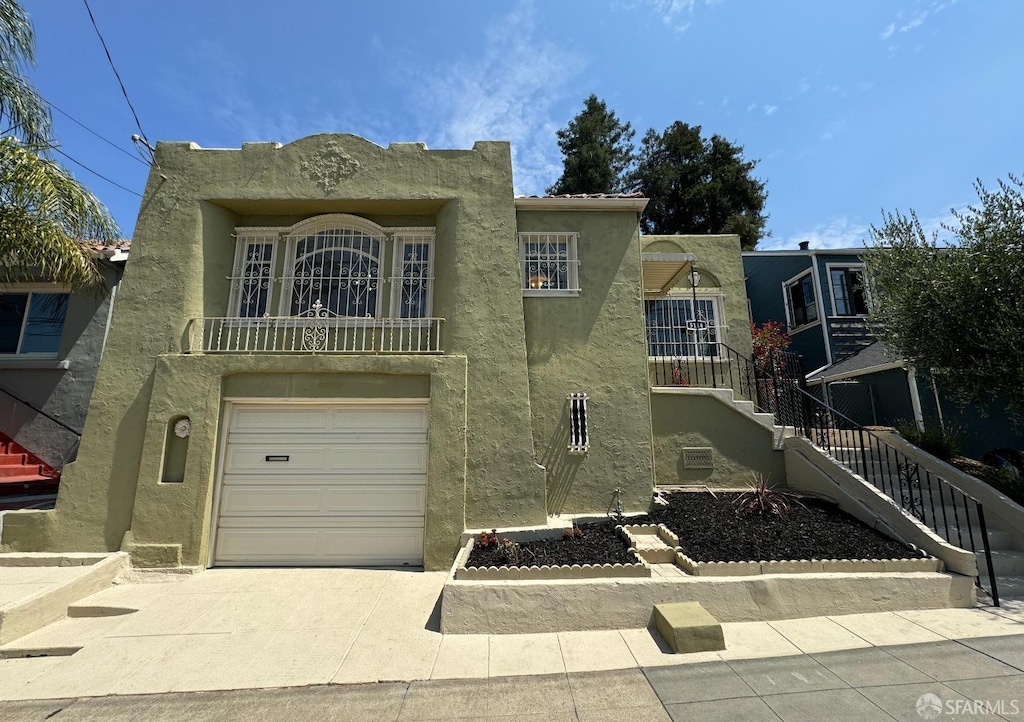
(183, 427)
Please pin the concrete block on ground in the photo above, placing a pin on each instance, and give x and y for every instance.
(688, 627)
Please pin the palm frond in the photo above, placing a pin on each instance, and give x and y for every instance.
(46, 216)
(22, 110)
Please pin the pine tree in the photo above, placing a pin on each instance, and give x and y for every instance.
(699, 185)
(597, 151)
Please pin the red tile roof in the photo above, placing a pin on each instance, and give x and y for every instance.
(592, 195)
(124, 244)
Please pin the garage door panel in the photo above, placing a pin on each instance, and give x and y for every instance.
(283, 458)
(250, 499)
(312, 546)
(386, 419)
(347, 486)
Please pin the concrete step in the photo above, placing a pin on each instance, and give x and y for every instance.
(18, 471)
(997, 538)
(1005, 563)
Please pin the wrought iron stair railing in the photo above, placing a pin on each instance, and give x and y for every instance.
(770, 383)
(938, 504)
(776, 385)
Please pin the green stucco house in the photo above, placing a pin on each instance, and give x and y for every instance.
(334, 353)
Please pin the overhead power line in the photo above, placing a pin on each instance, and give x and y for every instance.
(117, 75)
(98, 175)
(105, 140)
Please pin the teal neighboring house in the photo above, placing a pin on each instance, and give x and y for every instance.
(335, 353)
(820, 298)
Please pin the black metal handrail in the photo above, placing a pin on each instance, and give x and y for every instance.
(935, 502)
(770, 383)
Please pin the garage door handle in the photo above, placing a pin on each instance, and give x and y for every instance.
(276, 458)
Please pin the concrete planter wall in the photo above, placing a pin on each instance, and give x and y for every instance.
(514, 573)
(672, 553)
(805, 566)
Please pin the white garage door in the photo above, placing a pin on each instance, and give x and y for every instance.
(323, 485)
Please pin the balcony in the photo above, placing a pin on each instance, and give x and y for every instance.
(319, 334)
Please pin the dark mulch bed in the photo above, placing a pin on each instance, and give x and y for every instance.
(599, 544)
(712, 530)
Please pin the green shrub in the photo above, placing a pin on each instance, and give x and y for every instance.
(939, 442)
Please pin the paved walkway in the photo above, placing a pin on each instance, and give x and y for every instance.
(313, 630)
(976, 678)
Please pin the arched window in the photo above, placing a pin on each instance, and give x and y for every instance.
(336, 265)
(340, 268)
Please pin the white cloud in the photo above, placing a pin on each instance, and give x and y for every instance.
(507, 94)
(675, 14)
(752, 106)
(903, 25)
(915, 22)
(770, 109)
(839, 232)
(832, 130)
(805, 85)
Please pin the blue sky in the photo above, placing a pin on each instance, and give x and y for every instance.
(851, 106)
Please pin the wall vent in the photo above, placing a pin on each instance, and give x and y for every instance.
(699, 457)
(579, 438)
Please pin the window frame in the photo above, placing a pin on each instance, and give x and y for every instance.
(787, 298)
(399, 237)
(30, 289)
(721, 329)
(847, 268)
(572, 263)
(282, 264)
(244, 237)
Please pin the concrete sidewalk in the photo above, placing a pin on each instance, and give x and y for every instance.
(233, 629)
(951, 680)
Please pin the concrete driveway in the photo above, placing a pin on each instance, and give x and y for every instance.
(228, 629)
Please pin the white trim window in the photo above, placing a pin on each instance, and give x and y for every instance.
(801, 306)
(674, 332)
(549, 264)
(847, 286)
(32, 320)
(412, 277)
(334, 267)
(253, 272)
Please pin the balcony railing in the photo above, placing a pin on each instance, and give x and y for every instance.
(315, 334)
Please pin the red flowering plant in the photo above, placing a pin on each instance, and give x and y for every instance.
(769, 340)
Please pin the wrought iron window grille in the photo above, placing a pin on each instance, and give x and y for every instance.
(579, 437)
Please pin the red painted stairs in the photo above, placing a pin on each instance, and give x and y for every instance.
(23, 474)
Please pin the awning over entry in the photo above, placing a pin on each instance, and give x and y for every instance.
(662, 271)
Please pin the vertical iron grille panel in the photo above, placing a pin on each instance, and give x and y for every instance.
(674, 332)
(413, 279)
(579, 439)
(253, 274)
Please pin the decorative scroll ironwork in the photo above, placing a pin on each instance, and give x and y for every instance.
(415, 281)
(341, 269)
(549, 261)
(909, 475)
(314, 335)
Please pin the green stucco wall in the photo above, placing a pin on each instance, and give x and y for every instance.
(740, 445)
(497, 395)
(182, 250)
(593, 344)
(720, 266)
